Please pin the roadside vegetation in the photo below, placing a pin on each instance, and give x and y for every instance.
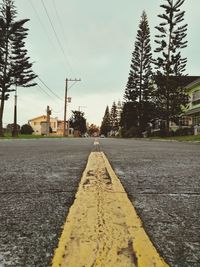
(15, 64)
(155, 94)
(29, 136)
(180, 138)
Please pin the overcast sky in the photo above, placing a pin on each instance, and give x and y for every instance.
(92, 40)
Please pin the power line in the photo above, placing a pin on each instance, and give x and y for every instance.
(56, 35)
(45, 30)
(49, 89)
(41, 23)
(62, 28)
(59, 21)
(57, 111)
(44, 91)
(72, 84)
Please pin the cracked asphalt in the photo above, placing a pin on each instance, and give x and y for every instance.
(162, 180)
(39, 179)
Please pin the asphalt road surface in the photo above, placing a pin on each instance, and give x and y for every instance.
(39, 179)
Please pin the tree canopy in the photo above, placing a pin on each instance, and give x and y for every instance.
(170, 65)
(105, 125)
(78, 122)
(139, 86)
(15, 67)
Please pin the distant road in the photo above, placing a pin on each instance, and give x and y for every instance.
(39, 179)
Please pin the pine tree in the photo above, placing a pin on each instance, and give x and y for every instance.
(114, 118)
(138, 89)
(105, 125)
(15, 68)
(170, 65)
(119, 110)
(129, 116)
(21, 67)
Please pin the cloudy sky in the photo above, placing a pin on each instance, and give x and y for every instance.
(92, 40)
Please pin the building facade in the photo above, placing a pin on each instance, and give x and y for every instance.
(56, 126)
(193, 110)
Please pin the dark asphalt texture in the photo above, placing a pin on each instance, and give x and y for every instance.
(39, 179)
(162, 180)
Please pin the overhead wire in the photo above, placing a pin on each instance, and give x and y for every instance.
(37, 15)
(59, 20)
(41, 23)
(58, 41)
(41, 89)
(62, 29)
(56, 36)
(57, 111)
(72, 84)
(60, 24)
(58, 97)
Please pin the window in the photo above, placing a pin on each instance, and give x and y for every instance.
(196, 120)
(185, 121)
(196, 98)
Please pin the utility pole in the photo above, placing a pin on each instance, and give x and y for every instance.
(79, 108)
(48, 120)
(65, 107)
(15, 130)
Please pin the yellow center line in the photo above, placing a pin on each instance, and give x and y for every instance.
(102, 228)
(96, 142)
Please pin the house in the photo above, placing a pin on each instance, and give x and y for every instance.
(39, 125)
(193, 110)
(191, 114)
(36, 123)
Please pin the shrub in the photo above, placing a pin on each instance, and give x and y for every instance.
(184, 131)
(26, 129)
(132, 132)
(10, 127)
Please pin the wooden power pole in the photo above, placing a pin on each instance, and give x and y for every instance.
(65, 106)
(15, 130)
(48, 120)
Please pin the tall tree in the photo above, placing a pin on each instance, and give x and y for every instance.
(138, 89)
(170, 95)
(119, 110)
(128, 116)
(78, 122)
(15, 68)
(105, 125)
(114, 122)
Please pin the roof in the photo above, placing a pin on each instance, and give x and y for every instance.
(183, 81)
(192, 111)
(37, 117)
(193, 83)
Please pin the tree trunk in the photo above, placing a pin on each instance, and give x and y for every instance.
(1, 115)
(140, 96)
(3, 87)
(168, 77)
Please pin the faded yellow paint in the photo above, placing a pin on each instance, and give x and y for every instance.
(102, 228)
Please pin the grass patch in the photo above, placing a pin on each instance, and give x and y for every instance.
(29, 136)
(180, 138)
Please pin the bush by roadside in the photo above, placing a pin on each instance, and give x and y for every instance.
(26, 129)
(132, 132)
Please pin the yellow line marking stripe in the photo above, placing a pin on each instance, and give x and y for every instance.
(102, 228)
